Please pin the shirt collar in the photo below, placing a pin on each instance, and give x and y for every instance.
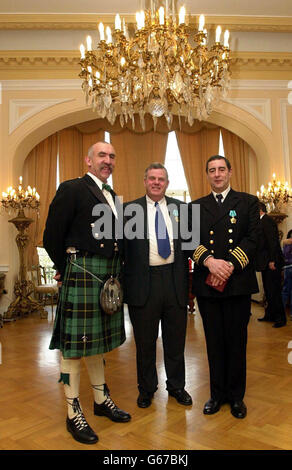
(96, 179)
(151, 202)
(224, 193)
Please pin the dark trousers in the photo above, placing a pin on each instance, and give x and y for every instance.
(272, 284)
(225, 324)
(161, 306)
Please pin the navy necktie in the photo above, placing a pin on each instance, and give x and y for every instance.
(162, 237)
(219, 198)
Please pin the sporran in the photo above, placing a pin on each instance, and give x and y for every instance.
(111, 293)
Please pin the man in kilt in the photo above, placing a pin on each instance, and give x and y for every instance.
(84, 259)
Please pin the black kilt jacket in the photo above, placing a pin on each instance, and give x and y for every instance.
(230, 234)
(70, 222)
(269, 248)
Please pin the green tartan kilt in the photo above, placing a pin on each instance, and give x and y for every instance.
(81, 327)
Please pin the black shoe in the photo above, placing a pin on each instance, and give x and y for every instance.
(238, 409)
(265, 319)
(144, 399)
(278, 324)
(109, 409)
(181, 396)
(79, 428)
(211, 407)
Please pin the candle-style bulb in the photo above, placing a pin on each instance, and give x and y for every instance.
(226, 38)
(118, 23)
(82, 51)
(181, 15)
(89, 43)
(201, 22)
(108, 35)
(101, 31)
(161, 15)
(218, 33)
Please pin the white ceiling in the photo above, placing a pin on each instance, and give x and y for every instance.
(208, 7)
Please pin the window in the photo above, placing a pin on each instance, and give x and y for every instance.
(221, 146)
(107, 138)
(178, 187)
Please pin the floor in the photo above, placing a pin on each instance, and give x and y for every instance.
(33, 411)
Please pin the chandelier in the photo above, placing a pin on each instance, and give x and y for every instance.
(157, 70)
(19, 198)
(275, 194)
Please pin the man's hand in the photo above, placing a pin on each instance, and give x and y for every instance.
(272, 265)
(57, 278)
(220, 269)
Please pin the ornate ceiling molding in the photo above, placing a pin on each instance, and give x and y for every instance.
(65, 64)
(89, 22)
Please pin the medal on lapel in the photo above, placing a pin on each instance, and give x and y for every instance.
(175, 214)
(232, 215)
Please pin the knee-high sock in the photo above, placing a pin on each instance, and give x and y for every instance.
(95, 368)
(70, 376)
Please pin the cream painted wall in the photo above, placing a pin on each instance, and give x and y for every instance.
(258, 111)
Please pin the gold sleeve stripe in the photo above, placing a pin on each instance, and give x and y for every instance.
(241, 257)
(243, 253)
(198, 253)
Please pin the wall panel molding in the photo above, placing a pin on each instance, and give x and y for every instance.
(22, 109)
(260, 108)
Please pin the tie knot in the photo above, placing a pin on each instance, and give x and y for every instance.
(156, 204)
(219, 198)
(106, 186)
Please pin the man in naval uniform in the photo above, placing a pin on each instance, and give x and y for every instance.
(223, 280)
(83, 258)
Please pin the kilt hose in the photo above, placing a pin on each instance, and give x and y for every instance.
(81, 327)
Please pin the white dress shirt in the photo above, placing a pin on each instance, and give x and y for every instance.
(224, 194)
(154, 258)
(106, 193)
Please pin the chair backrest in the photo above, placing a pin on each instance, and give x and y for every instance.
(33, 275)
(41, 275)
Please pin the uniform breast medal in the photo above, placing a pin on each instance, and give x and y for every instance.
(232, 215)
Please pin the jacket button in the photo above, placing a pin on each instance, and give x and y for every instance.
(230, 240)
(211, 232)
(101, 245)
(230, 230)
(211, 242)
(212, 251)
